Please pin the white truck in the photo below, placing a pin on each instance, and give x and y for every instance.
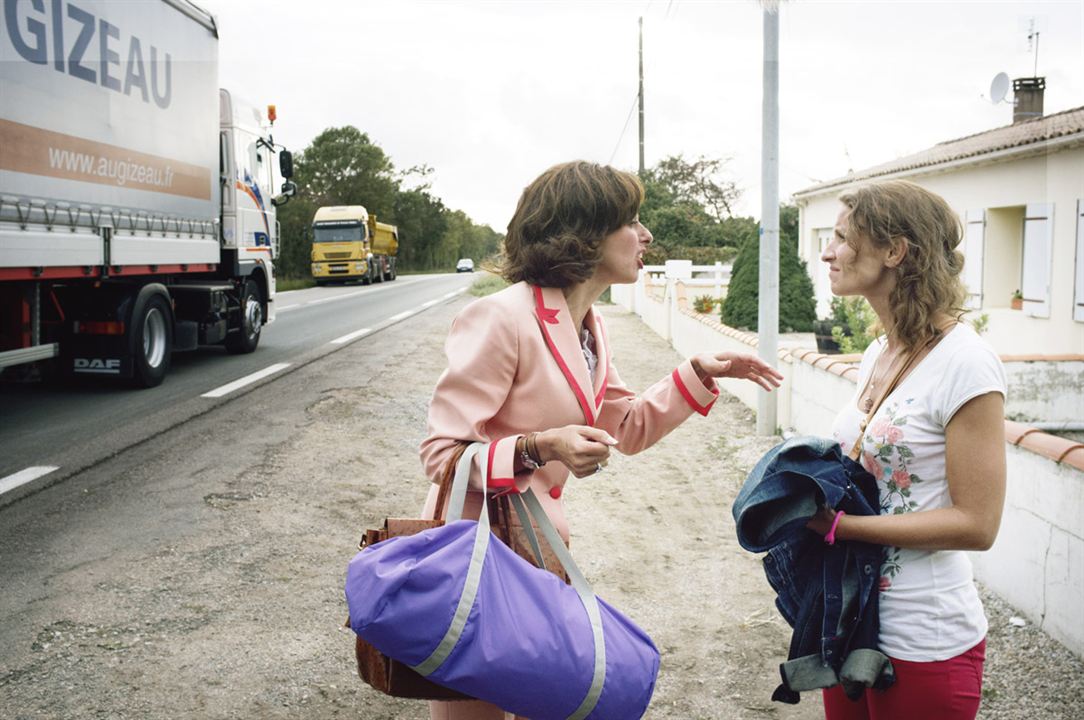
(137, 210)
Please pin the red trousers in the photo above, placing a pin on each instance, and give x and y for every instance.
(945, 690)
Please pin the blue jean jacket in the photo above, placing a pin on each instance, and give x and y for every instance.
(827, 593)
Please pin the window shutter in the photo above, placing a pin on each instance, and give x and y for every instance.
(1035, 275)
(974, 244)
(1078, 295)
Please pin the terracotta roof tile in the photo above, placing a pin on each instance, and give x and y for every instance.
(1058, 125)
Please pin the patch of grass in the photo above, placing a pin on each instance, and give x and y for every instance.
(487, 285)
(284, 284)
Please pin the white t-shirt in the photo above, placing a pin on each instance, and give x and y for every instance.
(929, 607)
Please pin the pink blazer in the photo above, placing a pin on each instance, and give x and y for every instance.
(515, 365)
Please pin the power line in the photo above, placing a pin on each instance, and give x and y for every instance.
(632, 109)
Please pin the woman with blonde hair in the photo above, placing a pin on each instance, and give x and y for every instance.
(530, 368)
(935, 445)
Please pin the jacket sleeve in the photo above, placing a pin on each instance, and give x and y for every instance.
(639, 422)
(482, 350)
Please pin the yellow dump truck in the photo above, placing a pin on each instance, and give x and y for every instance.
(349, 244)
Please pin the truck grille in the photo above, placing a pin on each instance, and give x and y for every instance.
(337, 256)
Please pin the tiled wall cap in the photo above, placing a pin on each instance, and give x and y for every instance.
(1042, 358)
(1050, 446)
(1074, 456)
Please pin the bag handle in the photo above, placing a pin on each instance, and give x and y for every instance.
(474, 572)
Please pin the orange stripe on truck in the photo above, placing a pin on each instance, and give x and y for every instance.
(35, 151)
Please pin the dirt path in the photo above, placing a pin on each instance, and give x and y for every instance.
(167, 583)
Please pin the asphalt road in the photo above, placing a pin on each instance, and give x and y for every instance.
(72, 427)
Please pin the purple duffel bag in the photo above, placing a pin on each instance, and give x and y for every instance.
(464, 610)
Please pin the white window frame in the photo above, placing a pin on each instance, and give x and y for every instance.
(974, 251)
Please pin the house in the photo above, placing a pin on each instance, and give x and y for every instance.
(1019, 191)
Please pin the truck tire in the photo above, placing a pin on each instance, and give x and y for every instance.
(247, 336)
(152, 324)
(392, 275)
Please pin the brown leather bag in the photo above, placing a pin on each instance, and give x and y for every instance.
(392, 677)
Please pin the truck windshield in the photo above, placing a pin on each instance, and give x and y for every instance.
(339, 233)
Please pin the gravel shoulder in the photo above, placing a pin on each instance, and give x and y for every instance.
(200, 574)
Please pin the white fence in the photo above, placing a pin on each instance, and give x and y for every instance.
(1037, 563)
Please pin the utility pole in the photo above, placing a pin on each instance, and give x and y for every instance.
(768, 306)
(641, 96)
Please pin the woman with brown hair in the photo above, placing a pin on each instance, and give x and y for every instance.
(530, 369)
(935, 445)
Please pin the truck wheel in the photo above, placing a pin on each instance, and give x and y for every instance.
(392, 274)
(153, 342)
(378, 276)
(247, 336)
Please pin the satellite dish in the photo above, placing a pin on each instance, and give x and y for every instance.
(999, 88)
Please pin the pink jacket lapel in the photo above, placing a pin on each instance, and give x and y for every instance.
(557, 329)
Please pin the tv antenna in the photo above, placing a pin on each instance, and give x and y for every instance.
(1033, 41)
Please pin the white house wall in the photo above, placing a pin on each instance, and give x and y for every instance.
(1056, 179)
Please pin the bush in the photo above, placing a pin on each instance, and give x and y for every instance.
(854, 324)
(797, 306)
(700, 255)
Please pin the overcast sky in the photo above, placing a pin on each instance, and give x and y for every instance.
(491, 93)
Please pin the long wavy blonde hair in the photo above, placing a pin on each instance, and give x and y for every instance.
(928, 283)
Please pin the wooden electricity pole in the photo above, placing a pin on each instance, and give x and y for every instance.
(641, 96)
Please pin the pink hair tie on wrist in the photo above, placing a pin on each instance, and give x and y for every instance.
(830, 536)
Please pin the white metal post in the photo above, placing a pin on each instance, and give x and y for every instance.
(768, 306)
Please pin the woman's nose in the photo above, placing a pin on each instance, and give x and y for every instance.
(647, 234)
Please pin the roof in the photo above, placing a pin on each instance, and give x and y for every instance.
(1030, 132)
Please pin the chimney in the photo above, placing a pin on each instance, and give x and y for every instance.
(1027, 98)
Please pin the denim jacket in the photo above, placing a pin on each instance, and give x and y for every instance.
(827, 593)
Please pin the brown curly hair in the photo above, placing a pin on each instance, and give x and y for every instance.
(928, 280)
(555, 236)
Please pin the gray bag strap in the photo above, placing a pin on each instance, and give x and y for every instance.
(587, 597)
(477, 558)
(528, 528)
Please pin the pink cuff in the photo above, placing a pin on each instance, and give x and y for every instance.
(699, 396)
(501, 460)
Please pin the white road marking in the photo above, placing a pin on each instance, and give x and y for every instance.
(24, 476)
(246, 380)
(351, 336)
(401, 316)
(344, 296)
(431, 303)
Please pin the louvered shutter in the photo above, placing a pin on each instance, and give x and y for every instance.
(1078, 295)
(1035, 273)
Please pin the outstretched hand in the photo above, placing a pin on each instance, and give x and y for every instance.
(741, 366)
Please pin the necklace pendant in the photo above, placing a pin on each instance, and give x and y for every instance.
(867, 405)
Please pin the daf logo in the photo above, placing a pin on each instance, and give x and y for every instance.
(106, 366)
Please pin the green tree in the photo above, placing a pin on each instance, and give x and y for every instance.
(797, 306)
(340, 167)
(422, 224)
(698, 183)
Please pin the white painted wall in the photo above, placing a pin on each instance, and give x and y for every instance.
(1046, 391)
(1056, 178)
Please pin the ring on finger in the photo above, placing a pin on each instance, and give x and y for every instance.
(598, 467)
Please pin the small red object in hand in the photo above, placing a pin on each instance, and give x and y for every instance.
(555, 492)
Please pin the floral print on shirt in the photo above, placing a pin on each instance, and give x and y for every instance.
(887, 458)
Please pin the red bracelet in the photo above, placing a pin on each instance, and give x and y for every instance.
(830, 536)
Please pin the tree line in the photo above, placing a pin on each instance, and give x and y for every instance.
(688, 206)
(342, 166)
